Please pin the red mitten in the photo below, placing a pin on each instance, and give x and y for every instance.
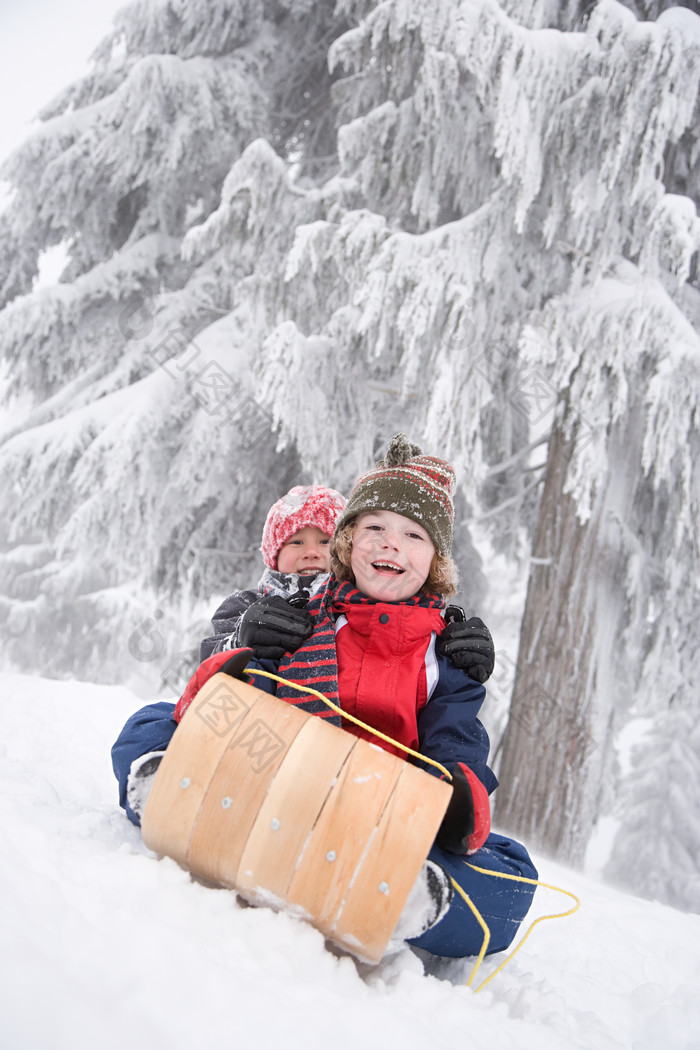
(467, 821)
(231, 661)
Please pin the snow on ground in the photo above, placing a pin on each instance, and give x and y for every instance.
(102, 945)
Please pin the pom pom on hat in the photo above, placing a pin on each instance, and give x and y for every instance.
(303, 505)
(399, 450)
(409, 483)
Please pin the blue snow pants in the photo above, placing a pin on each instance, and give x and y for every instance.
(503, 903)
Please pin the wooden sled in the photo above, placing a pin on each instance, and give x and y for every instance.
(254, 794)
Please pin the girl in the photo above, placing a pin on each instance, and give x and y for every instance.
(295, 549)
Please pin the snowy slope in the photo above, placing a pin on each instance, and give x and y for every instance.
(102, 945)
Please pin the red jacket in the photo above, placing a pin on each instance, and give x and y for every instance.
(394, 645)
(385, 657)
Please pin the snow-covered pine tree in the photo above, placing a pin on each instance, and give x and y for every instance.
(655, 852)
(498, 259)
(617, 505)
(135, 451)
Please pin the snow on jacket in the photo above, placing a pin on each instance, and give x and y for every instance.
(227, 617)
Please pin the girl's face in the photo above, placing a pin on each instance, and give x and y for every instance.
(391, 555)
(305, 553)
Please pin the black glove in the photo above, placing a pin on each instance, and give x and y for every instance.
(459, 820)
(469, 644)
(273, 627)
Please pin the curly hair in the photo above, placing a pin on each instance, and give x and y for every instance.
(442, 577)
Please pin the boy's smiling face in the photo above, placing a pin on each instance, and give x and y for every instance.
(305, 553)
(391, 555)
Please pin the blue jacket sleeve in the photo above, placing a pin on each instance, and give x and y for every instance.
(448, 726)
(150, 729)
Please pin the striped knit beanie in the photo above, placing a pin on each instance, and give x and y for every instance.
(303, 505)
(409, 483)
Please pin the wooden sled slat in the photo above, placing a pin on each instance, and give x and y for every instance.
(339, 839)
(291, 807)
(400, 844)
(185, 772)
(239, 785)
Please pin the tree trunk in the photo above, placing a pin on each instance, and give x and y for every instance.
(554, 743)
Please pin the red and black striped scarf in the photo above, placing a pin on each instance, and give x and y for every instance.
(315, 663)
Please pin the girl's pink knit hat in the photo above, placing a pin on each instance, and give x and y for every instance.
(303, 505)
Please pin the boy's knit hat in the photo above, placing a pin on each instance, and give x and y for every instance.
(407, 482)
(303, 505)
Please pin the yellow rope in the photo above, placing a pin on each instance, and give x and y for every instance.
(484, 871)
(487, 935)
(480, 919)
(350, 718)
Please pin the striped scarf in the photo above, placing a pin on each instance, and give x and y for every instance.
(315, 662)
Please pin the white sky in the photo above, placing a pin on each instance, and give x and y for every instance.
(44, 46)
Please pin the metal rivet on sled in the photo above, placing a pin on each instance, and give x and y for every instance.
(274, 824)
(330, 855)
(383, 887)
(226, 802)
(185, 782)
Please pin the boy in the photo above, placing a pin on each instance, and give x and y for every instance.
(372, 650)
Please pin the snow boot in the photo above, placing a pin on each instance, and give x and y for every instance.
(427, 903)
(140, 782)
